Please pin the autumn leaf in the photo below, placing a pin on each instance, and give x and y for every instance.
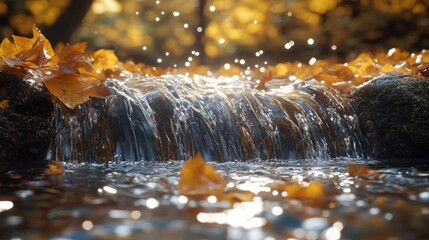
(199, 179)
(311, 191)
(74, 89)
(4, 104)
(73, 57)
(105, 59)
(268, 75)
(55, 168)
(363, 171)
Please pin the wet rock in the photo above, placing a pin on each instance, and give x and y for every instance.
(26, 126)
(393, 112)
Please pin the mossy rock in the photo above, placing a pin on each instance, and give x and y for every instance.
(26, 126)
(393, 112)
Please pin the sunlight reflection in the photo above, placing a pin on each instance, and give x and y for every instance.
(110, 190)
(87, 225)
(5, 205)
(241, 215)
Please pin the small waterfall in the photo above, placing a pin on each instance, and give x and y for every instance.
(224, 119)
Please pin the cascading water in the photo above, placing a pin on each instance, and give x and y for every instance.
(225, 119)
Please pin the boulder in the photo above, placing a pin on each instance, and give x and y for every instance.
(26, 126)
(393, 112)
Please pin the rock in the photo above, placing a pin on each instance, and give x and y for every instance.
(26, 126)
(393, 112)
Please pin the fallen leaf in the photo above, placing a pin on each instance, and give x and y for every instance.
(74, 89)
(311, 191)
(363, 171)
(55, 168)
(105, 59)
(199, 179)
(268, 75)
(4, 104)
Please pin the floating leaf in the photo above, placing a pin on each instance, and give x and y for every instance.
(363, 171)
(55, 168)
(200, 179)
(312, 191)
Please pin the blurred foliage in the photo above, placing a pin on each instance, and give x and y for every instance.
(18, 16)
(166, 32)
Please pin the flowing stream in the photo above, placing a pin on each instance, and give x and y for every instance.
(225, 119)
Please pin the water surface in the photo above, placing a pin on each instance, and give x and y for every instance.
(141, 201)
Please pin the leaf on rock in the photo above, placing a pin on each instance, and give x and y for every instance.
(73, 57)
(74, 89)
(7, 49)
(4, 104)
(55, 168)
(199, 179)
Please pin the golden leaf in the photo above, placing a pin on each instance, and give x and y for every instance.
(72, 89)
(7, 49)
(362, 171)
(73, 57)
(105, 59)
(312, 191)
(199, 179)
(55, 168)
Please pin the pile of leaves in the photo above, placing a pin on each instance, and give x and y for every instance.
(69, 73)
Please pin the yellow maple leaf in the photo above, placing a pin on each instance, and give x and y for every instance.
(199, 179)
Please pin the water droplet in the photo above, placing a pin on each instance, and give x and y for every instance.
(157, 19)
(152, 203)
(159, 60)
(310, 41)
(182, 199)
(312, 61)
(212, 8)
(227, 66)
(87, 225)
(135, 214)
(176, 14)
(185, 25)
(334, 47)
(199, 29)
(221, 41)
(212, 199)
(424, 196)
(277, 210)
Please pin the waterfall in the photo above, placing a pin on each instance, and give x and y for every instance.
(224, 119)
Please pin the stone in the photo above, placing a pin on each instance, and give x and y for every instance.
(393, 112)
(26, 126)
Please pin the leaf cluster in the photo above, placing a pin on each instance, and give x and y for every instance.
(70, 74)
